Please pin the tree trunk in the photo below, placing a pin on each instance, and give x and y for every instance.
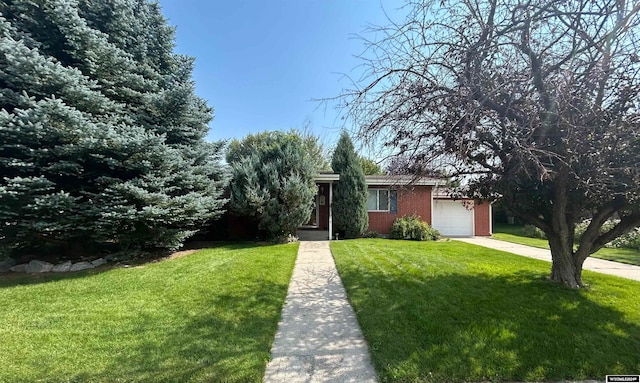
(566, 267)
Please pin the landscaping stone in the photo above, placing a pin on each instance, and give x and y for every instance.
(98, 262)
(62, 267)
(6, 264)
(36, 266)
(21, 268)
(81, 266)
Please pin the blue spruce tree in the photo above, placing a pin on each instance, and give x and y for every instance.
(102, 135)
(273, 181)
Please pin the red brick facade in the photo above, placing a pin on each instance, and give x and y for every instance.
(411, 200)
(482, 218)
(417, 200)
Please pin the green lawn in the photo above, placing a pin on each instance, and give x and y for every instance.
(512, 233)
(453, 312)
(206, 317)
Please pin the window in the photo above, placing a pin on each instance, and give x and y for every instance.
(378, 200)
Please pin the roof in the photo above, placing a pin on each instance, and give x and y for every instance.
(450, 193)
(403, 180)
(443, 193)
(327, 177)
(385, 180)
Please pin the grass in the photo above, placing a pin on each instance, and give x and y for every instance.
(512, 233)
(206, 317)
(454, 312)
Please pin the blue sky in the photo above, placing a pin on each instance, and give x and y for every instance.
(259, 64)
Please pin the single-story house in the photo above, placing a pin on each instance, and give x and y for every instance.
(390, 197)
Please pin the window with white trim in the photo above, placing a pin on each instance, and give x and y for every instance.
(378, 200)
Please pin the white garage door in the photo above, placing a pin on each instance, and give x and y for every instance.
(452, 219)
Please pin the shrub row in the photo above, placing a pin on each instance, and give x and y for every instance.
(631, 240)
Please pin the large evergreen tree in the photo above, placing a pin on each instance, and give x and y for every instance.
(273, 181)
(102, 134)
(350, 200)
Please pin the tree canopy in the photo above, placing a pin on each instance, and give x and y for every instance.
(536, 103)
(273, 181)
(102, 134)
(350, 199)
(370, 167)
(407, 164)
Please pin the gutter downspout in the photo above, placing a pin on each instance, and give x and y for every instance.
(434, 189)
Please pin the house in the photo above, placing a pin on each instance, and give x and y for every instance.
(390, 197)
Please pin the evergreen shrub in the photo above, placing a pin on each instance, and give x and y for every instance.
(273, 182)
(349, 207)
(411, 227)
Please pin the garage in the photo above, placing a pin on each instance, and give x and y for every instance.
(452, 218)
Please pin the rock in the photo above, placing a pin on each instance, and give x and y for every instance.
(81, 266)
(21, 268)
(36, 266)
(62, 267)
(98, 262)
(5, 265)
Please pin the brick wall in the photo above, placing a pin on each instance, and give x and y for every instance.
(482, 218)
(411, 200)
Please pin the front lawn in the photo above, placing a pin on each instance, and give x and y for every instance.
(513, 234)
(205, 317)
(450, 311)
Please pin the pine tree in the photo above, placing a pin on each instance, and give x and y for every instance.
(273, 181)
(350, 199)
(103, 136)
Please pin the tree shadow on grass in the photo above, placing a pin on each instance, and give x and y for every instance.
(462, 327)
(181, 332)
(232, 346)
(205, 348)
(22, 279)
(9, 279)
(226, 339)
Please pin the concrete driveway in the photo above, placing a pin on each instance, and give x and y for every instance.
(593, 264)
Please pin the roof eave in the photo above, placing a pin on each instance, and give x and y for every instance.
(403, 181)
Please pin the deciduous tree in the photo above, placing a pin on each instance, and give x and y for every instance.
(409, 164)
(536, 102)
(370, 167)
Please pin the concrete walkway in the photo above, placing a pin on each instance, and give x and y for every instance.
(318, 338)
(594, 264)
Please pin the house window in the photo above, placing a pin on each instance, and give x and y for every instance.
(378, 200)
